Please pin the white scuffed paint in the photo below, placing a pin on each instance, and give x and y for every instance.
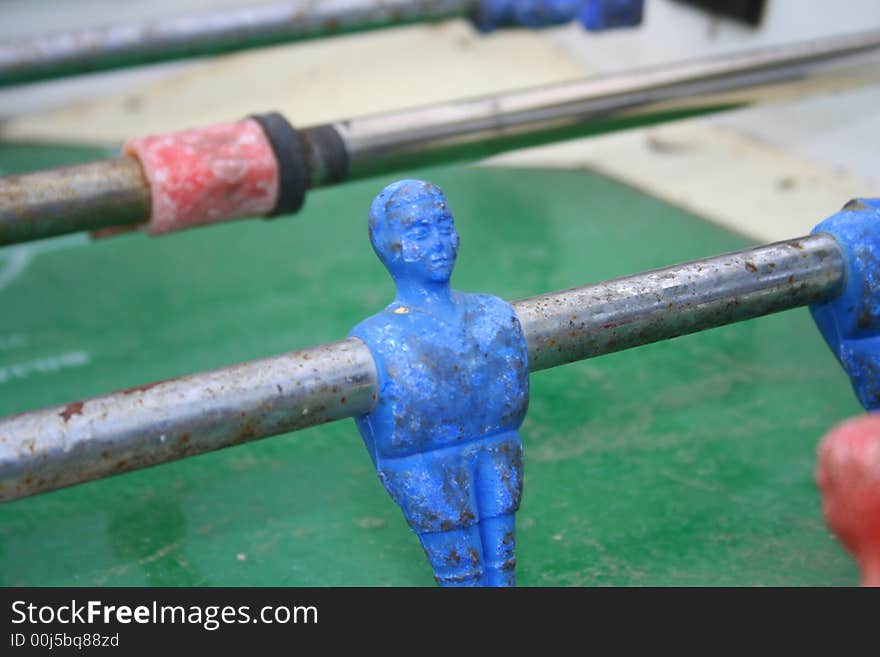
(14, 260)
(46, 365)
(14, 341)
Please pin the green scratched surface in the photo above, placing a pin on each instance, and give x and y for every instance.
(682, 463)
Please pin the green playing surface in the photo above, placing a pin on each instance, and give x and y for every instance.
(687, 462)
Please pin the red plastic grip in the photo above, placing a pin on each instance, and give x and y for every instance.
(207, 175)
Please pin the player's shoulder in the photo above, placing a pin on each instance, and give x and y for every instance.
(386, 323)
(490, 304)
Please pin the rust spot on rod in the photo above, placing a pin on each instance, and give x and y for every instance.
(143, 388)
(73, 408)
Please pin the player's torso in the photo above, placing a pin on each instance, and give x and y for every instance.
(448, 382)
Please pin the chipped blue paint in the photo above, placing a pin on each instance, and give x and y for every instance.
(595, 15)
(850, 323)
(453, 392)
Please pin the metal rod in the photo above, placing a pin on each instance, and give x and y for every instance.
(169, 420)
(446, 132)
(592, 320)
(70, 199)
(484, 126)
(207, 33)
(85, 440)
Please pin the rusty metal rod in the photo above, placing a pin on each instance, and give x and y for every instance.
(65, 200)
(451, 131)
(208, 33)
(160, 422)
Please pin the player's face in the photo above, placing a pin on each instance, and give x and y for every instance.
(429, 243)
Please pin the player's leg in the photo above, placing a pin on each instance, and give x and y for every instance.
(499, 539)
(435, 491)
(456, 556)
(499, 490)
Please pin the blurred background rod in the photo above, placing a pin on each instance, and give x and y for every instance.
(208, 33)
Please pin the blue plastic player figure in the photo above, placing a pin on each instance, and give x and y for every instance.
(453, 392)
(850, 323)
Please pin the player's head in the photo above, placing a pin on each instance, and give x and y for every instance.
(413, 232)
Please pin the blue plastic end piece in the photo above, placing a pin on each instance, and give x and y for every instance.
(534, 14)
(599, 15)
(850, 323)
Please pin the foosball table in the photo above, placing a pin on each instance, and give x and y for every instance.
(682, 456)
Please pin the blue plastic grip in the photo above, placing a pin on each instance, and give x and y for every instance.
(595, 15)
(850, 323)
